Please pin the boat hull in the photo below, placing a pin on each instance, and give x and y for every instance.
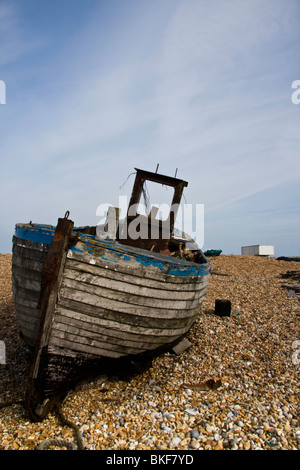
(112, 301)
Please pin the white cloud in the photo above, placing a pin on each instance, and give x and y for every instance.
(212, 98)
(226, 104)
(12, 38)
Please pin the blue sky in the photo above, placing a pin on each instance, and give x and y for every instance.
(95, 88)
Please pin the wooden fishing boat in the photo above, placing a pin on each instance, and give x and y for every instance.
(81, 299)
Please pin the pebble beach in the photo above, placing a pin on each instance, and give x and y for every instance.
(236, 387)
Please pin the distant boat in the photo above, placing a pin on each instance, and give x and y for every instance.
(212, 252)
(81, 300)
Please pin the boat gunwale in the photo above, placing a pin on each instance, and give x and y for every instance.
(112, 245)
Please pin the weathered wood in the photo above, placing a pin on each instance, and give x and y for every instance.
(163, 234)
(87, 349)
(21, 273)
(100, 326)
(140, 344)
(132, 287)
(51, 278)
(27, 282)
(130, 309)
(29, 294)
(109, 296)
(104, 345)
(93, 313)
(99, 300)
(27, 263)
(112, 261)
(28, 313)
(181, 346)
(26, 302)
(122, 289)
(138, 277)
(28, 248)
(119, 314)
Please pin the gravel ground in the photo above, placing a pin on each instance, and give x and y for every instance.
(253, 356)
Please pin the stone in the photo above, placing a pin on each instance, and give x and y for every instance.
(218, 446)
(194, 434)
(195, 444)
(256, 407)
(176, 441)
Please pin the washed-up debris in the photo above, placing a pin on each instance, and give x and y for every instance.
(293, 290)
(217, 273)
(222, 308)
(294, 275)
(210, 384)
(182, 346)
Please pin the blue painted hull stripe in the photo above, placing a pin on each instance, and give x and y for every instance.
(35, 235)
(44, 234)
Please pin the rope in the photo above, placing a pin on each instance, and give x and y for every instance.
(62, 442)
(56, 443)
(146, 196)
(133, 173)
(72, 425)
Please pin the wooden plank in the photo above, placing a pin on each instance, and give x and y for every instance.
(102, 348)
(28, 273)
(135, 267)
(28, 294)
(94, 313)
(98, 347)
(133, 276)
(26, 282)
(128, 287)
(30, 330)
(25, 317)
(109, 295)
(133, 342)
(24, 301)
(87, 349)
(120, 306)
(27, 263)
(114, 328)
(27, 248)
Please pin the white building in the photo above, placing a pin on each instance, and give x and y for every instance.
(258, 250)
